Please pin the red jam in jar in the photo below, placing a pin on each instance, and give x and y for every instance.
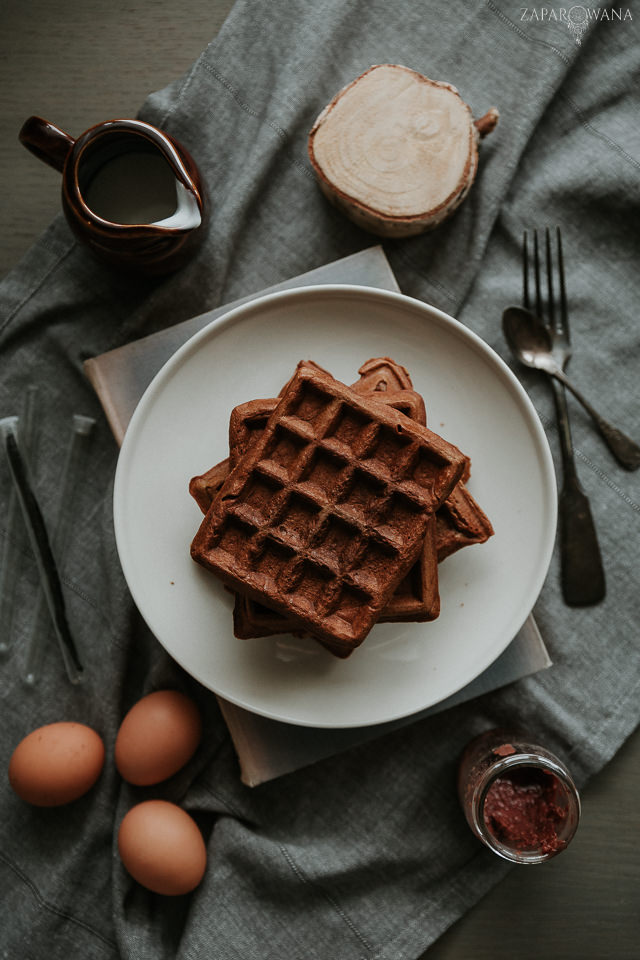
(518, 797)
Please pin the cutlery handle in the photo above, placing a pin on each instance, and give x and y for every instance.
(583, 582)
(621, 446)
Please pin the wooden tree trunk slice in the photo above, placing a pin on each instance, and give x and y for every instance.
(395, 151)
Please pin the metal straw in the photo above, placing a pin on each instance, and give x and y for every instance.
(9, 565)
(39, 540)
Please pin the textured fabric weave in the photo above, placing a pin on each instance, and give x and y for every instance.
(364, 855)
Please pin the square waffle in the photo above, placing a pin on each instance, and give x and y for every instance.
(325, 515)
(416, 598)
(460, 521)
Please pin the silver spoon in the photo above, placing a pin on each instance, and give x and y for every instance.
(530, 341)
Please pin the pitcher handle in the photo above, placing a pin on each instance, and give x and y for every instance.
(46, 141)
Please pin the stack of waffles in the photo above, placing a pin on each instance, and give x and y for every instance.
(334, 508)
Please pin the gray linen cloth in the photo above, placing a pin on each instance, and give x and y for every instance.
(365, 854)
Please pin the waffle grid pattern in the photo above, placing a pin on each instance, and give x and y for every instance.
(332, 509)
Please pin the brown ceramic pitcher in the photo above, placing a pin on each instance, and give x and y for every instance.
(132, 193)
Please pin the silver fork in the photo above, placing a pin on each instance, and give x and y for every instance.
(558, 326)
(582, 574)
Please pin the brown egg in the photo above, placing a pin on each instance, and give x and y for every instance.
(162, 848)
(159, 734)
(56, 764)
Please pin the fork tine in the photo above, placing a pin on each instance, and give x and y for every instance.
(551, 301)
(536, 267)
(525, 271)
(564, 313)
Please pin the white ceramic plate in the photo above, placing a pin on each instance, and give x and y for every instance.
(179, 429)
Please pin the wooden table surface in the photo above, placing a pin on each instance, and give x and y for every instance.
(82, 61)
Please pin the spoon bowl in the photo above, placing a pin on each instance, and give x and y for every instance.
(532, 343)
(529, 339)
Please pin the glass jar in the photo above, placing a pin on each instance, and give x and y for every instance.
(517, 797)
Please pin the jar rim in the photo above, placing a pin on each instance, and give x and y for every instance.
(505, 764)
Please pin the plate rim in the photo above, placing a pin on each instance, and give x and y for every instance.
(212, 329)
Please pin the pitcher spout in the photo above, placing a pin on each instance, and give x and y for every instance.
(188, 213)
